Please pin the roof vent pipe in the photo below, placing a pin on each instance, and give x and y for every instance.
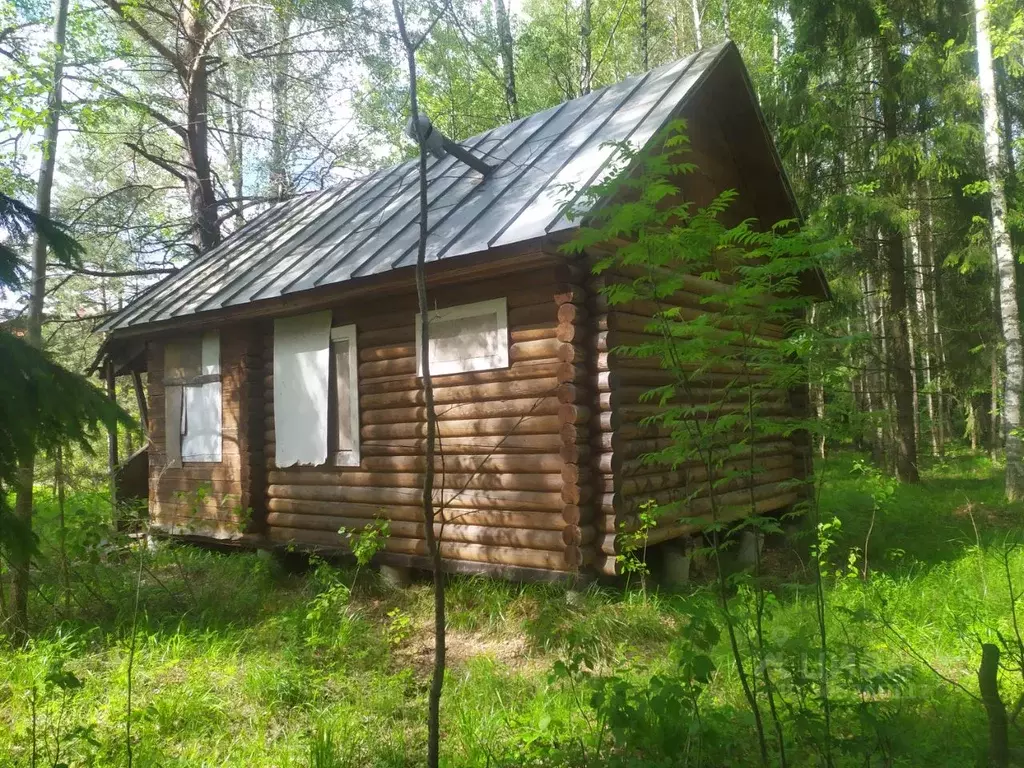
(439, 145)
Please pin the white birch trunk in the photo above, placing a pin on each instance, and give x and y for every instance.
(1002, 257)
(698, 36)
(922, 323)
(20, 561)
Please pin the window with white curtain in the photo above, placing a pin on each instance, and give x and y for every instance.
(468, 337)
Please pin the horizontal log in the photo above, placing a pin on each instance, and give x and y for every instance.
(576, 495)
(574, 452)
(209, 509)
(547, 559)
(355, 479)
(572, 393)
(521, 352)
(767, 455)
(576, 557)
(575, 474)
(570, 294)
(570, 413)
(549, 520)
(449, 445)
(573, 433)
(731, 502)
(571, 353)
(569, 373)
(533, 406)
(461, 499)
(625, 420)
(512, 425)
(575, 514)
(402, 329)
(445, 532)
(572, 333)
(578, 536)
(517, 372)
(503, 390)
(169, 486)
(227, 469)
(479, 462)
(649, 378)
(571, 314)
(645, 485)
(761, 507)
(640, 319)
(518, 337)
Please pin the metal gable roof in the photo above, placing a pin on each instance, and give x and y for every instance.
(369, 225)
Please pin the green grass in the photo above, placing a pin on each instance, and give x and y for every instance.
(238, 662)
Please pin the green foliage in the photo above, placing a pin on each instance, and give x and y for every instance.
(225, 673)
(633, 542)
(368, 541)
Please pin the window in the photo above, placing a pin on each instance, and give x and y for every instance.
(316, 392)
(469, 337)
(345, 403)
(192, 399)
(301, 377)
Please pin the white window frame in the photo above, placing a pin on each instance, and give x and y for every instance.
(497, 307)
(347, 458)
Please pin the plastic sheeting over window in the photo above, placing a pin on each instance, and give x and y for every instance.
(301, 381)
(193, 399)
(469, 337)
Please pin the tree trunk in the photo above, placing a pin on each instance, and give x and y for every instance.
(920, 332)
(875, 384)
(994, 431)
(1002, 256)
(988, 687)
(698, 35)
(645, 42)
(972, 422)
(202, 199)
(916, 398)
(586, 54)
(62, 531)
(926, 311)
(112, 459)
(433, 545)
(280, 174)
(896, 269)
(235, 149)
(506, 47)
(21, 561)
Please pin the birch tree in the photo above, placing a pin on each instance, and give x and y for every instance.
(1002, 257)
(34, 325)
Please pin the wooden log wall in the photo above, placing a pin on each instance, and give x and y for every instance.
(505, 494)
(231, 503)
(729, 149)
(625, 480)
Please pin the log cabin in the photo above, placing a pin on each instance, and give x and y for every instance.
(278, 372)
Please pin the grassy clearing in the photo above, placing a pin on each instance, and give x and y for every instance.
(238, 662)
